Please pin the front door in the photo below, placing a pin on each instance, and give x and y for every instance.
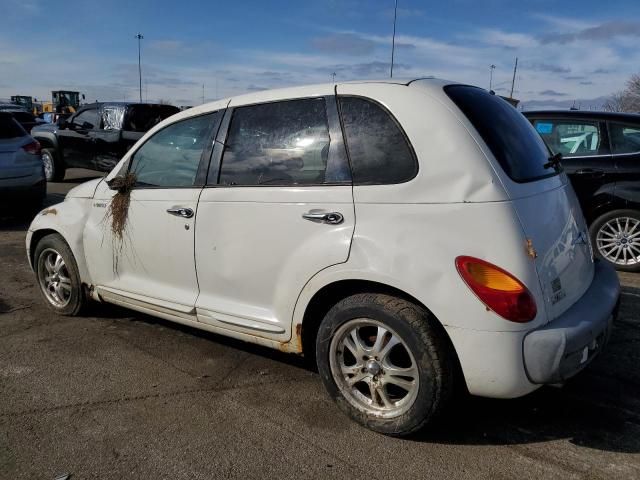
(76, 142)
(277, 211)
(152, 261)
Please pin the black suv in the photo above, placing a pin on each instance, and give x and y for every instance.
(601, 155)
(96, 136)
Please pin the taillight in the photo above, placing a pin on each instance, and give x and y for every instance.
(33, 148)
(497, 289)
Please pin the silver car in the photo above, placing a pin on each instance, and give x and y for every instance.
(21, 169)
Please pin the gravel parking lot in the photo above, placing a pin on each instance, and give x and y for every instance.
(118, 394)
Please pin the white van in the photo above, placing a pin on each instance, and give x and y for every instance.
(408, 234)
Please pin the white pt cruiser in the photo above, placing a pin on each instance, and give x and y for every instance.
(406, 234)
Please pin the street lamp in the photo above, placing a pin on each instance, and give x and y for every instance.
(139, 37)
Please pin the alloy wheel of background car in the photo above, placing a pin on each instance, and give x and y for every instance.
(373, 368)
(616, 239)
(57, 274)
(47, 161)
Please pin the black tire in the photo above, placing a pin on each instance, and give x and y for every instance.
(54, 166)
(422, 336)
(599, 251)
(77, 298)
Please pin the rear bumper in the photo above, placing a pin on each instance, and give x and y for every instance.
(559, 350)
(24, 183)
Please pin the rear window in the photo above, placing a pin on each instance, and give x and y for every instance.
(512, 139)
(142, 118)
(9, 128)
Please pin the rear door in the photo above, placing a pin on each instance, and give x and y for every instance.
(542, 196)
(277, 209)
(586, 157)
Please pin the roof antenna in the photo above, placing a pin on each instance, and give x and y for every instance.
(393, 38)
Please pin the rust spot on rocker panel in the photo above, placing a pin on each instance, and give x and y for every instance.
(49, 211)
(295, 344)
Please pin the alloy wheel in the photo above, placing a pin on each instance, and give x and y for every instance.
(618, 241)
(54, 278)
(373, 368)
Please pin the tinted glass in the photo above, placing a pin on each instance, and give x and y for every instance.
(142, 118)
(9, 128)
(511, 138)
(624, 138)
(378, 149)
(279, 143)
(90, 116)
(570, 138)
(171, 157)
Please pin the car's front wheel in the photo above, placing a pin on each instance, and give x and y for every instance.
(57, 275)
(615, 237)
(53, 168)
(385, 362)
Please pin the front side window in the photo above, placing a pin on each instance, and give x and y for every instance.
(279, 143)
(88, 117)
(624, 138)
(171, 157)
(513, 141)
(378, 149)
(571, 138)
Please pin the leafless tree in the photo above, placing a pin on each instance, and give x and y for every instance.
(627, 100)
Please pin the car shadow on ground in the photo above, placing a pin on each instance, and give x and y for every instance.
(599, 409)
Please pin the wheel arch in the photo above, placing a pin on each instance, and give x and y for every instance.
(331, 293)
(46, 140)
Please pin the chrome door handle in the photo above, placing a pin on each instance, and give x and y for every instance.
(319, 216)
(180, 212)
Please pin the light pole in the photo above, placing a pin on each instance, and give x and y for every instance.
(139, 37)
(333, 77)
(393, 38)
(492, 67)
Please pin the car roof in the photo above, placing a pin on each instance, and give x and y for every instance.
(584, 114)
(302, 91)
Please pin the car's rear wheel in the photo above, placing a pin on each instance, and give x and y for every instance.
(57, 275)
(385, 362)
(53, 168)
(615, 237)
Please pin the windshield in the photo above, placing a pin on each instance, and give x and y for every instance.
(511, 138)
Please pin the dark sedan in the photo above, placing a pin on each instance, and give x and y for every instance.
(601, 155)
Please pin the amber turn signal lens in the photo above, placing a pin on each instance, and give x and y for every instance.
(497, 289)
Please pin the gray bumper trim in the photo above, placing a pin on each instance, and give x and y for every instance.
(559, 350)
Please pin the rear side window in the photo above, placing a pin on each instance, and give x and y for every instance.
(511, 138)
(571, 138)
(142, 118)
(9, 128)
(279, 143)
(624, 138)
(378, 149)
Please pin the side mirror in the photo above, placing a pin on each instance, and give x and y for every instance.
(87, 126)
(62, 123)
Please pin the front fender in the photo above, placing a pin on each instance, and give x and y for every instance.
(68, 220)
(46, 139)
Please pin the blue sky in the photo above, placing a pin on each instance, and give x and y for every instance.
(568, 50)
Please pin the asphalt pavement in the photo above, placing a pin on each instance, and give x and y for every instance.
(118, 394)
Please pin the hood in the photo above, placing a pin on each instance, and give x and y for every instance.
(85, 190)
(44, 127)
